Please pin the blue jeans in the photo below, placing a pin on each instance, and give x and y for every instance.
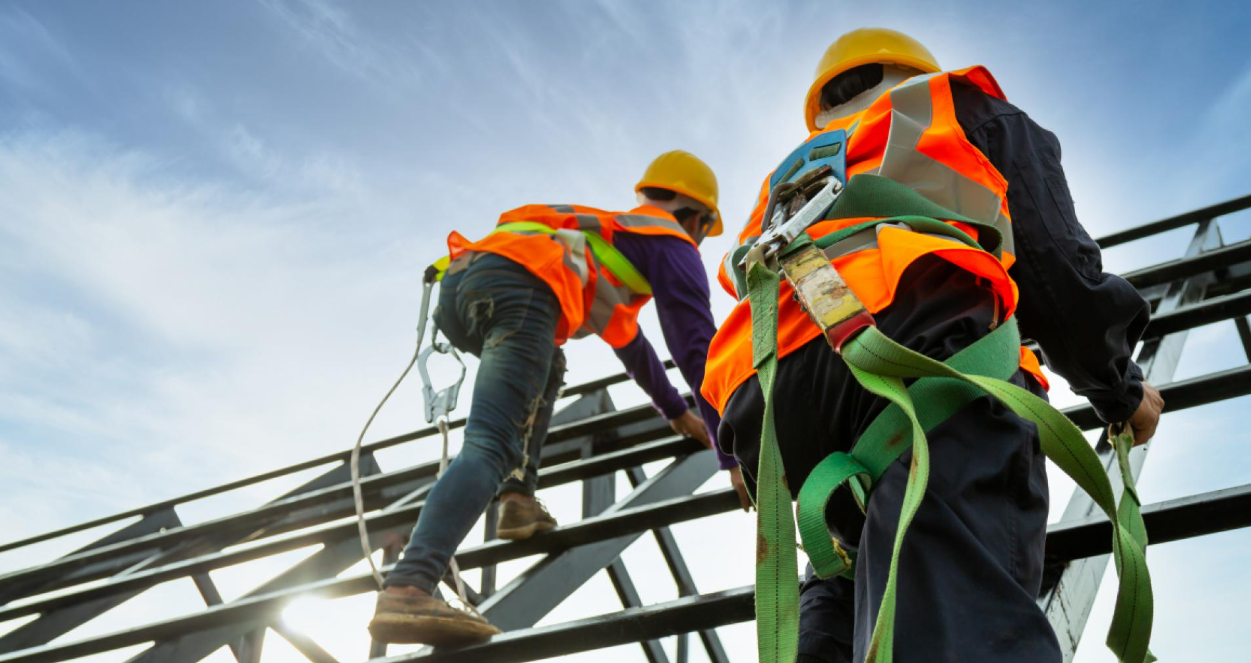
(505, 315)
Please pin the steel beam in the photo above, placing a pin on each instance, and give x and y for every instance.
(1201, 313)
(1173, 222)
(24, 586)
(686, 614)
(53, 623)
(1183, 268)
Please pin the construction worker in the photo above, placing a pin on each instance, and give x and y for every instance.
(970, 568)
(549, 273)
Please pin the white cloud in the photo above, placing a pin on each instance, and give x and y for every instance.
(183, 325)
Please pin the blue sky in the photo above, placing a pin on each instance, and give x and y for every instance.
(213, 217)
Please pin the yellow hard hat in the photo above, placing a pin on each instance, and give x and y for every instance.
(860, 47)
(684, 173)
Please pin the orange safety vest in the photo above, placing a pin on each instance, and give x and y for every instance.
(909, 134)
(592, 299)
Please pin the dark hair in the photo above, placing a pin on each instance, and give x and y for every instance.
(656, 193)
(845, 86)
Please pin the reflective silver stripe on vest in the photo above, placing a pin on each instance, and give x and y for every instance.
(912, 113)
(589, 222)
(867, 239)
(643, 221)
(607, 296)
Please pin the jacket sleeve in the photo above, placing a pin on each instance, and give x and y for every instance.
(647, 371)
(680, 287)
(1085, 321)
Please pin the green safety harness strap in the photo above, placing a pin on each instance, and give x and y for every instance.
(607, 254)
(941, 389)
(777, 568)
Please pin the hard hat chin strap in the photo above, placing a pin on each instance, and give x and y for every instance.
(891, 76)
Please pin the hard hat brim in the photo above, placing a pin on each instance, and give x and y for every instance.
(717, 227)
(812, 103)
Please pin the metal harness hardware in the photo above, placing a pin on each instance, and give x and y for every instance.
(439, 404)
(793, 208)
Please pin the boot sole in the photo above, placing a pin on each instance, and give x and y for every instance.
(427, 630)
(523, 533)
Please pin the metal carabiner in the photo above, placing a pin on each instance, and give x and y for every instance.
(439, 403)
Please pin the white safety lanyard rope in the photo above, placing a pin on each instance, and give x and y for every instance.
(438, 405)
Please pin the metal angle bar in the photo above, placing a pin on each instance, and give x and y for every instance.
(396, 518)
(691, 613)
(1172, 520)
(1180, 395)
(208, 591)
(1174, 222)
(1196, 315)
(1244, 334)
(303, 644)
(681, 576)
(1181, 268)
(52, 624)
(375, 488)
(1069, 600)
(490, 533)
(337, 457)
(629, 596)
(153, 522)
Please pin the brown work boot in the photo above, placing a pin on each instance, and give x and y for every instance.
(422, 619)
(520, 519)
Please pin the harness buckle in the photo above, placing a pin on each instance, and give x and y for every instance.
(816, 191)
(825, 295)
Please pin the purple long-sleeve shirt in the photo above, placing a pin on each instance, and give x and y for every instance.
(680, 288)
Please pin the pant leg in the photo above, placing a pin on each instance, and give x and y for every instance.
(820, 409)
(525, 479)
(508, 317)
(971, 563)
(827, 611)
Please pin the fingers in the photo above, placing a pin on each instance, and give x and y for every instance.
(736, 480)
(744, 500)
(700, 433)
(693, 427)
(1147, 416)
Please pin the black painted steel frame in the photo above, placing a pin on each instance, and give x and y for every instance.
(590, 442)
